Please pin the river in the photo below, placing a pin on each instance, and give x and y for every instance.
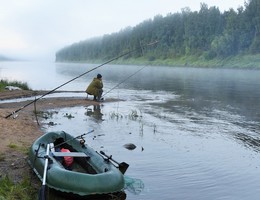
(196, 129)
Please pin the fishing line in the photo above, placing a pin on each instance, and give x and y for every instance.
(115, 58)
(123, 81)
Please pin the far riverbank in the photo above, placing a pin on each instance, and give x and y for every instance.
(236, 62)
(240, 61)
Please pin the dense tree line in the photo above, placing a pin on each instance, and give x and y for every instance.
(206, 32)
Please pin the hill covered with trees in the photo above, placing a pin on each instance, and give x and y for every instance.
(207, 34)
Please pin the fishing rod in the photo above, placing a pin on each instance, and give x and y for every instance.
(115, 58)
(123, 81)
(64, 142)
(77, 137)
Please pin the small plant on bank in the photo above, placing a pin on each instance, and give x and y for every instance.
(134, 115)
(45, 114)
(2, 157)
(12, 146)
(20, 148)
(20, 84)
(69, 116)
(114, 115)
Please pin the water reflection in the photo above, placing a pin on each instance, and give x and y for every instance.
(249, 141)
(94, 112)
(56, 195)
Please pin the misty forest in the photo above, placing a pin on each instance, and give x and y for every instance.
(207, 33)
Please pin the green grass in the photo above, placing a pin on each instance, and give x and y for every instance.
(22, 85)
(21, 148)
(12, 146)
(239, 61)
(12, 191)
(2, 158)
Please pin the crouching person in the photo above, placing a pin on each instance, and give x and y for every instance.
(95, 88)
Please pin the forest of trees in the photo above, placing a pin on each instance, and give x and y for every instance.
(207, 32)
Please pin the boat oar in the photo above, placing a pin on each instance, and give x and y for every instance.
(42, 193)
(121, 166)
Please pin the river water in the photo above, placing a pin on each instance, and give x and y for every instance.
(196, 130)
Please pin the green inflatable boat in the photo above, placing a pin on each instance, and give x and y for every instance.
(79, 169)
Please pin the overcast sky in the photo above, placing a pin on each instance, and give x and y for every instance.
(36, 29)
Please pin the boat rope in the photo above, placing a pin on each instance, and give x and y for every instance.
(51, 91)
(123, 81)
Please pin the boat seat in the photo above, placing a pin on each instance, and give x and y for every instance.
(71, 154)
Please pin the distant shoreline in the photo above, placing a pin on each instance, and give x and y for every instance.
(232, 62)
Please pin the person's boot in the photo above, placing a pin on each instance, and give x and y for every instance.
(99, 99)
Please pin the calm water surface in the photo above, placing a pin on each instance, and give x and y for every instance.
(196, 130)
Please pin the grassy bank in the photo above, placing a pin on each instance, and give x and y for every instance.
(23, 190)
(22, 85)
(241, 61)
(20, 184)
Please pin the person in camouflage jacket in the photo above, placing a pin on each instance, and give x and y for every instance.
(95, 88)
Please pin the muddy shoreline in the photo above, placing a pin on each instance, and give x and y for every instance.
(17, 133)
